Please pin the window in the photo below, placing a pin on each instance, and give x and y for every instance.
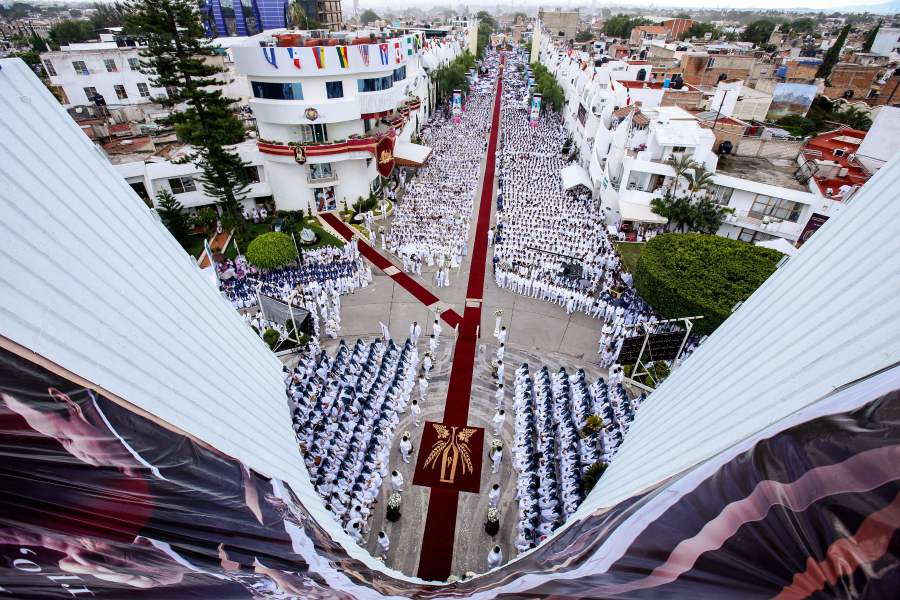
(678, 149)
(334, 89)
(143, 90)
(367, 125)
(721, 194)
(90, 92)
(750, 236)
(121, 94)
(765, 206)
(375, 84)
(110, 65)
(313, 133)
(80, 67)
(48, 66)
(320, 171)
(251, 174)
(180, 185)
(134, 64)
(838, 152)
(400, 74)
(277, 91)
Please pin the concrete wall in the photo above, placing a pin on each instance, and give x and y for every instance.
(751, 146)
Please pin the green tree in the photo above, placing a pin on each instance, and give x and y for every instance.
(584, 36)
(172, 214)
(271, 250)
(485, 17)
(368, 16)
(108, 14)
(870, 37)
(621, 25)
(758, 32)
(68, 31)
(833, 55)
(175, 60)
(297, 17)
(801, 26)
(698, 30)
(683, 274)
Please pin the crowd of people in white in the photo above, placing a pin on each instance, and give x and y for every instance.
(552, 449)
(345, 411)
(316, 285)
(550, 243)
(431, 221)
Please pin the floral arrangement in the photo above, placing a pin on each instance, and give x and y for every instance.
(496, 444)
(406, 434)
(394, 501)
(498, 312)
(493, 515)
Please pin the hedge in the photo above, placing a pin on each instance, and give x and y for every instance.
(688, 274)
(271, 250)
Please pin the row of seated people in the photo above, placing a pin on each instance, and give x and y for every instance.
(551, 451)
(345, 412)
(617, 411)
(337, 269)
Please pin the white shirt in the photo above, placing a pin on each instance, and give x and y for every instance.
(494, 559)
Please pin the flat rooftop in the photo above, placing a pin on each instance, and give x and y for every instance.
(778, 172)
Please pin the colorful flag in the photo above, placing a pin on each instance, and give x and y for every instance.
(364, 53)
(383, 49)
(269, 54)
(397, 51)
(294, 53)
(319, 55)
(342, 56)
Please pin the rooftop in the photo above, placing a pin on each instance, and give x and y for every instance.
(777, 172)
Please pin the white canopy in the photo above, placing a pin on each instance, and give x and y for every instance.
(633, 211)
(408, 153)
(574, 175)
(780, 244)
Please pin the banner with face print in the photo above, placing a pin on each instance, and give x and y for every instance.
(534, 114)
(456, 105)
(98, 500)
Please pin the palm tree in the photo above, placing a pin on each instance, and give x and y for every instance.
(297, 17)
(698, 179)
(680, 164)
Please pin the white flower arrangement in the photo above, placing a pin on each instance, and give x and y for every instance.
(498, 312)
(493, 515)
(406, 434)
(496, 444)
(394, 501)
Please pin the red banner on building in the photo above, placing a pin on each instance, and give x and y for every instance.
(384, 155)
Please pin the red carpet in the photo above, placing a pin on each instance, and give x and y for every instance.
(450, 316)
(436, 557)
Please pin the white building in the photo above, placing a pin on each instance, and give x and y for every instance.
(183, 179)
(627, 125)
(109, 67)
(887, 42)
(322, 110)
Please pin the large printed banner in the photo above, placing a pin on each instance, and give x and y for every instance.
(535, 113)
(456, 105)
(98, 501)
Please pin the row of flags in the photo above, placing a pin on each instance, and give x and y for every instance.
(414, 43)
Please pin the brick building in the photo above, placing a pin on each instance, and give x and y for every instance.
(849, 80)
(708, 69)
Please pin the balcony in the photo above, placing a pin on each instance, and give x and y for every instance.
(777, 227)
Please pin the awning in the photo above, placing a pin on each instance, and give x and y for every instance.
(409, 154)
(641, 213)
(780, 244)
(574, 175)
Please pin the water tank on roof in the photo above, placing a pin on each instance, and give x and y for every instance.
(781, 72)
(725, 147)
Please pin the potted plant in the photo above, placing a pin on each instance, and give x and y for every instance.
(492, 524)
(393, 507)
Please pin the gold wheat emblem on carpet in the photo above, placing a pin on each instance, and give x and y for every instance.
(452, 446)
